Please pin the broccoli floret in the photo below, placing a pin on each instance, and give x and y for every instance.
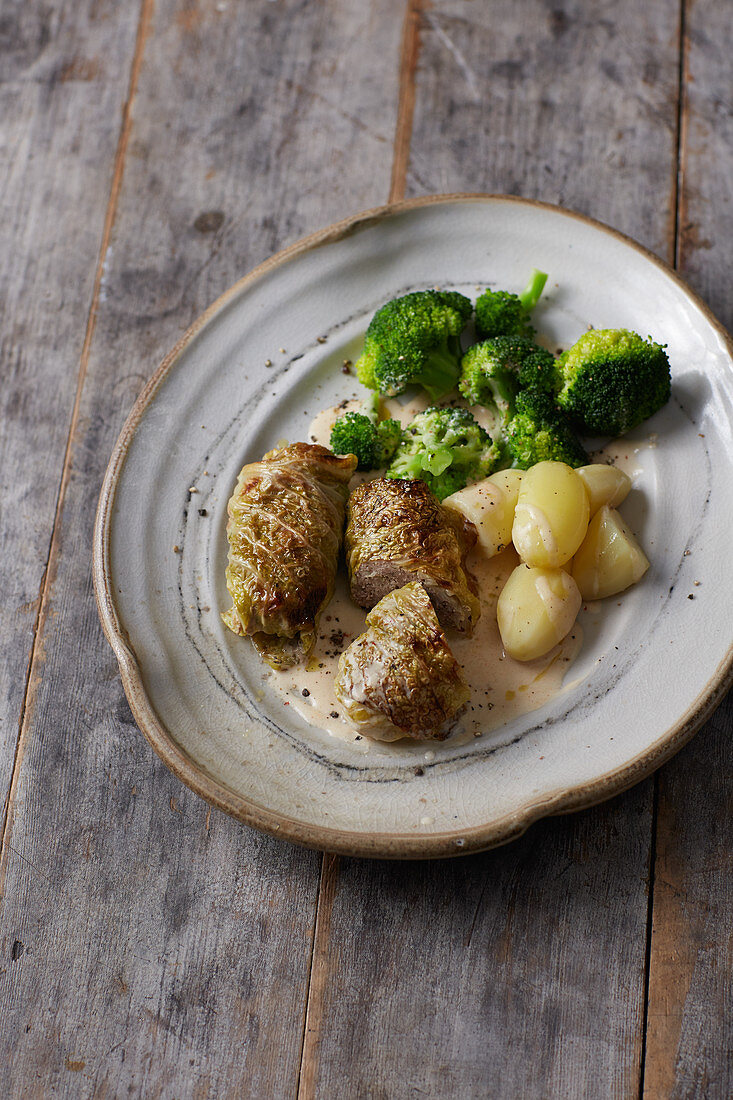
(493, 371)
(363, 434)
(611, 380)
(537, 371)
(447, 449)
(389, 434)
(499, 313)
(538, 431)
(415, 340)
(354, 434)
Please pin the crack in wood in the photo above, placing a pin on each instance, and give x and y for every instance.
(649, 935)
(674, 259)
(680, 139)
(406, 108)
(317, 977)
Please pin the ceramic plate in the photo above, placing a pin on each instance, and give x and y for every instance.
(653, 664)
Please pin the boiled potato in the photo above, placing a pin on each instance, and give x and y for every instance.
(605, 485)
(489, 504)
(551, 516)
(509, 481)
(536, 609)
(609, 559)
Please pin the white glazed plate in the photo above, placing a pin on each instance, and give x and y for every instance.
(653, 664)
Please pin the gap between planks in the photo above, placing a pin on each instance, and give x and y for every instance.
(649, 932)
(49, 573)
(328, 882)
(406, 102)
(680, 148)
(681, 135)
(317, 976)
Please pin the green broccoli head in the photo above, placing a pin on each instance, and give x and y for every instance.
(537, 370)
(499, 313)
(611, 380)
(446, 448)
(493, 371)
(363, 434)
(538, 432)
(415, 340)
(389, 434)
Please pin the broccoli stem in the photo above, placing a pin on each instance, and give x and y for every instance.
(440, 374)
(407, 466)
(370, 407)
(530, 296)
(504, 390)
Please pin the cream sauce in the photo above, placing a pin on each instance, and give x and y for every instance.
(624, 454)
(403, 409)
(501, 688)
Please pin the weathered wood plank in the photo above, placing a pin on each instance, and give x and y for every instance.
(570, 102)
(706, 192)
(64, 74)
(521, 972)
(689, 1048)
(689, 1040)
(186, 976)
(149, 948)
(503, 975)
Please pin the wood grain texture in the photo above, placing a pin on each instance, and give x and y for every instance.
(706, 182)
(689, 1048)
(571, 102)
(689, 1041)
(150, 946)
(521, 972)
(403, 132)
(64, 75)
(515, 973)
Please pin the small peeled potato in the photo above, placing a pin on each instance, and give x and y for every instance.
(509, 481)
(536, 609)
(605, 485)
(610, 559)
(489, 505)
(551, 516)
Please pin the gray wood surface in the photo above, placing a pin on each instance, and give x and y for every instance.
(64, 75)
(575, 103)
(152, 946)
(483, 992)
(690, 1017)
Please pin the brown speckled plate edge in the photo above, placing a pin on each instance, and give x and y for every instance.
(381, 845)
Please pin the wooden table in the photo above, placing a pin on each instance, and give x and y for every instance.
(152, 153)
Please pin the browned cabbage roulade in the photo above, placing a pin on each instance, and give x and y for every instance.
(397, 532)
(286, 520)
(399, 678)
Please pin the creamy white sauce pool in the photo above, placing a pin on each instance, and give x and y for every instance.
(501, 688)
(403, 410)
(624, 454)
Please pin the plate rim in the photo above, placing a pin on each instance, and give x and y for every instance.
(389, 845)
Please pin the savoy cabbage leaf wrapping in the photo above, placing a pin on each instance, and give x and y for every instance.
(286, 519)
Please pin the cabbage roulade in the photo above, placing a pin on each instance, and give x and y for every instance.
(399, 678)
(286, 520)
(397, 532)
